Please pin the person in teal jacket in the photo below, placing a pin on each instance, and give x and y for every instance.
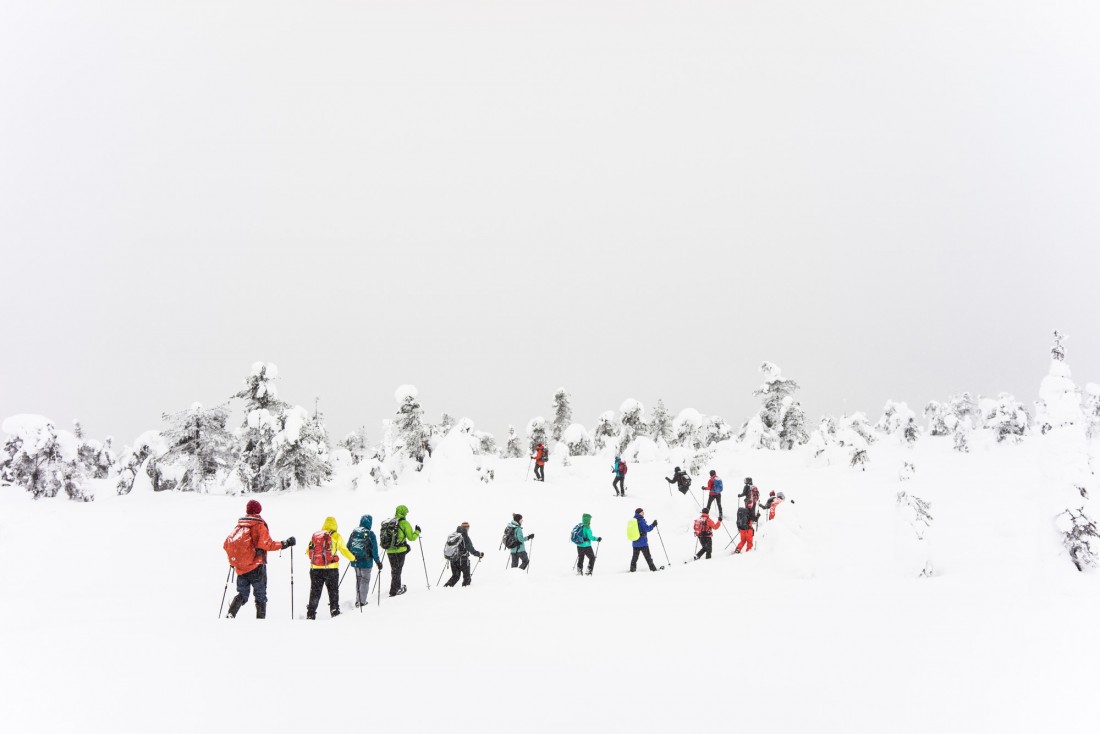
(364, 546)
(584, 548)
(519, 553)
(396, 554)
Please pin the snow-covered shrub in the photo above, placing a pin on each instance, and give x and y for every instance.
(914, 514)
(964, 408)
(632, 422)
(356, 444)
(700, 462)
(606, 432)
(1009, 422)
(44, 460)
(715, 429)
(906, 472)
(563, 414)
(899, 421)
(1059, 403)
(486, 443)
(576, 440)
(687, 428)
(784, 423)
(962, 437)
(146, 448)
(200, 444)
(1079, 536)
(937, 414)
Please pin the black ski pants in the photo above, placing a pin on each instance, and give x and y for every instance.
(520, 559)
(582, 553)
(617, 485)
(540, 472)
(706, 546)
(644, 551)
(459, 567)
(323, 578)
(397, 562)
(715, 498)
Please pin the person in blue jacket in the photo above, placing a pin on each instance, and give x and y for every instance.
(619, 470)
(363, 544)
(641, 545)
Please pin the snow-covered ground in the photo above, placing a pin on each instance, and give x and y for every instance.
(110, 612)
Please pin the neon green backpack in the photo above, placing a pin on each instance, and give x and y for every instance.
(632, 532)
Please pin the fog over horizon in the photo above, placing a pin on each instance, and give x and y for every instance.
(491, 200)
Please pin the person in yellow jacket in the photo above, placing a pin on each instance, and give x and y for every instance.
(324, 567)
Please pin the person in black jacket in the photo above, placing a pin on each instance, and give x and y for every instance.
(460, 564)
(681, 480)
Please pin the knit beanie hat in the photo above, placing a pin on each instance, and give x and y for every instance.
(253, 508)
(516, 516)
(639, 511)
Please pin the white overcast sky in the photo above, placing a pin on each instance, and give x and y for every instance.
(494, 199)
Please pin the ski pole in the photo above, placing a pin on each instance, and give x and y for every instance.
(440, 579)
(225, 591)
(292, 584)
(529, 555)
(593, 566)
(378, 585)
(663, 546)
(341, 584)
(475, 567)
(422, 560)
(528, 473)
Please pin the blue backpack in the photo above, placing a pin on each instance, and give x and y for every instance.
(358, 544)
(717, 485)
(577, 536)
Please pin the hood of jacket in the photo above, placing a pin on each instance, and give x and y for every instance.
(329, 525)
(366, 521)
(586, 519)
(402, 511)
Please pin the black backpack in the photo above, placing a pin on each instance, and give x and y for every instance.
(684, 482)
(389, 535)
(744, 518)
(509, 539)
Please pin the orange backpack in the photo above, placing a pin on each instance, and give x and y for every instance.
(240, 546)
(701, 527)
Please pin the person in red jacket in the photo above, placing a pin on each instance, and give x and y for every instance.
(704, 531)
(247, 548)
(540, 463)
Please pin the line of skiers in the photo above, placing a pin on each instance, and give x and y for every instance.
(247, 546)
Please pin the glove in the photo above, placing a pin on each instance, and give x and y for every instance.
(380, 565)
(482, 555)
(599, 540)
(654, 523)
(531, 536)
(668, 480)
(417, 528)
(289, 542)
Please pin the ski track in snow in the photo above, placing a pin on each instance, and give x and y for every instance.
(110, 613)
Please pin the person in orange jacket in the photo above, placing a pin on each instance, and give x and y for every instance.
(540, 463)
(247, 547)
(746, 516)
(772, 503)
(324, 567)
(704, 531)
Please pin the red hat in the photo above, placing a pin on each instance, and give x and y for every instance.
(771, 493)
(253, 508)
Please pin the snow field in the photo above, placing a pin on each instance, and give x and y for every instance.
(111, 609)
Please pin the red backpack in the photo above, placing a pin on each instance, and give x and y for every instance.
(240, 546)
(320, 549)
(701, 526)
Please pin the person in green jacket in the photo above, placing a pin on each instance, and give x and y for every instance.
(584, 548)
(396, 554)
(519, 552)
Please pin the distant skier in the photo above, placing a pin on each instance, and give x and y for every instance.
(714, 486)
(641, 543)
(324, 550)
(681, 479)
(704, 531)
(364, 546)
(247, 548)
(519, 550)
(540, 456)
(395, 536)
(460, 561)
(746, 516)
(619, 470)
(746, 491)
(582, 537)
(772, 503)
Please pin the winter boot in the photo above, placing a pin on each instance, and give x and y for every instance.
(261, 609)
(235, 606)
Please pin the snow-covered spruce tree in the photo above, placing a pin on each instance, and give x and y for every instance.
(200, 443)
(936, 414)
(701, 462)
(356, 444)
(537, 432)
(859, 424)
(263, 413)
(660, 423)
(632, 422)
(964, 408)
(148, 446)
(824, 437)
(1079, 536)
(1059, 401)
(606, 432)
(563, 414)
(899, 421)
(962, 437)
(301, 443)
(513, 448)
(715, 429)
(97, 459)
(411, 435)
(43, 460)
(778, 395)
(577, 440)
(1010, 420)
(486, 443)
(446, 423)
